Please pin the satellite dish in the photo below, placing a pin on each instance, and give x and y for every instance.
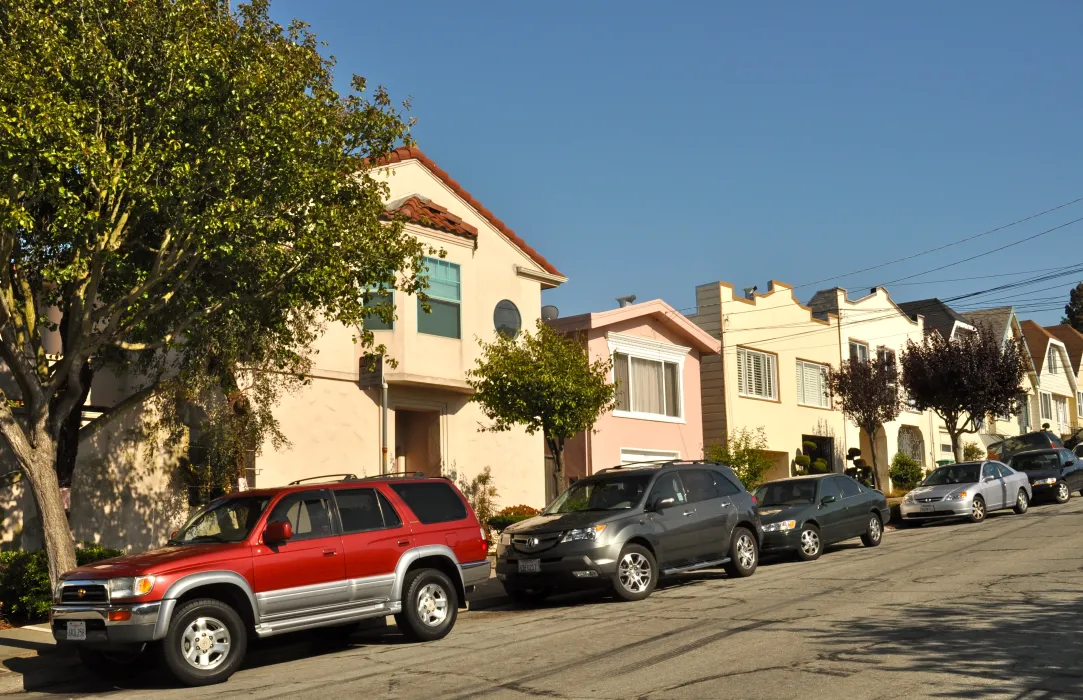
(549, 313)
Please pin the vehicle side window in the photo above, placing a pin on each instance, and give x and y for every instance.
(391, 518)
(828, 487)
(432, 502)
(1066, 456)
(724, 484)
(847, 486)
(989, 470)
(308, 513)
(668, 486)
(1004, 471)
(359, 510)
(699, 485)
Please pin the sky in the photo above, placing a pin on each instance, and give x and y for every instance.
(647, 147)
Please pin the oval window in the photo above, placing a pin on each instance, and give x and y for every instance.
(506, 319)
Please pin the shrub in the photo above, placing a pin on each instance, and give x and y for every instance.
(24, 580)
(819, 466)
(480, 493)
(519, 510)
(511, 515)
(744, 453)
(973, 453)
(905, 471)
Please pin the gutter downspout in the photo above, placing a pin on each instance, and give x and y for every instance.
(383, 427)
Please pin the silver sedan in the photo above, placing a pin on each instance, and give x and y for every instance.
(967, 490)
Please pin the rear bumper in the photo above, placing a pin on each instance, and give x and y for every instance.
(145, 622)
(475, 573)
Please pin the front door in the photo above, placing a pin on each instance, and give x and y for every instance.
(674, 523)
(714, 518)
(373, 540)
(992, 487)
(832, 516)
(306, 572)
(853, 517)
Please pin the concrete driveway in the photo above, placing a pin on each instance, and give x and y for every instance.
(949, 610)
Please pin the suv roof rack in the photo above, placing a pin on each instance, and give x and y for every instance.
(403, 475)
(660, 463)
(326, 477)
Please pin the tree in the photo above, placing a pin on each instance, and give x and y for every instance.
(745, 452)
(965, 380)
(545, 382)
(1073, 310)
(868, 395)
(179, 181)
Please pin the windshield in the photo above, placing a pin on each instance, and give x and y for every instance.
(786, 493)
(954, 474)
(612, 493)
(1033, 463)
(223, 520)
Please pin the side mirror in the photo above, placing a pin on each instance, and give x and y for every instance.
(826, 500)
(663, 503)
(989, 478)
(277, 532)
(1069, 463)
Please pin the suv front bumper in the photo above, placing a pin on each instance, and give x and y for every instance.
(144, 622)
(581, 570)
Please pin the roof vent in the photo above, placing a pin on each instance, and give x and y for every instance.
(750, 292)
(550, 313)
(626, 301)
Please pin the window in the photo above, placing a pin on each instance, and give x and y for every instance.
(885, 355)
(224, 520)
(989, 470)
(699, 485)
(432, 502)
(1079, 404)
(364, 509)
(668, 486)
(828, 487)
(1047, 406)
(633, 456)
(945, 444)
(445, 298)
(647, 386)
(812, 384)
(848, 486)
(378, 297)
(1053, 363)
(756, 374)
(859, 352)
(1004, 471)
(1066, 456)
(1062, 409)
(724, 484)
(307, 513)
(506, 319)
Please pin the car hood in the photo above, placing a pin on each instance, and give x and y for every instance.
(940, 491)
(157, 561)
(559, 522)
(774, 514)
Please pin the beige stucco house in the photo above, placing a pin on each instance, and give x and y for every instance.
(771, 372)
(1057, 383)
(656, 354)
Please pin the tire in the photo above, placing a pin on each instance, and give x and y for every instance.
(115, 665)
(978, 512)
(430, 605)
(810, 545)
(527, 596)
(744, 554)
(1022, 502)
(637, 573)
(1062, 494)
(204, 624)
(874, 532)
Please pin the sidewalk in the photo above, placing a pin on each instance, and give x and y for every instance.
(30, 659)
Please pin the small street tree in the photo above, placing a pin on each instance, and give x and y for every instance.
(966, 380)
(545, 382)
(867, 393)
(1073, 310)
(176, 181)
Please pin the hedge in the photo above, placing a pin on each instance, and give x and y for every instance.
(500, 522)
(24, 580)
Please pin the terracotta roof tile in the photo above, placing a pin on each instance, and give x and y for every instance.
(1072, 339)
(414, 153)
(424, 212)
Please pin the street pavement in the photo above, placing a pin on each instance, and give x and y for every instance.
(993, 610)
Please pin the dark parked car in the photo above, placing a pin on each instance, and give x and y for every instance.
(1052, 473)
(1074, 441)
(624, 527)
(805, 514)
(1038, 440)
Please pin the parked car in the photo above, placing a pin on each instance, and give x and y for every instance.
(967, 490)
(1038, 440)
(625, 527)
(805, 514)
(1052, 473)
(1074, 441)
(263, 562)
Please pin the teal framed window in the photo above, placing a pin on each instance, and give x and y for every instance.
(445, 300)
(378, 297)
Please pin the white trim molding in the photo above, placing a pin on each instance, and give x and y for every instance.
(636, 455)
(547, 279)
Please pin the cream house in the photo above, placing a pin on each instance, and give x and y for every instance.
(1073, 344)
(875, 326)
(771, 372)
(1003, 322)
(1057, 384)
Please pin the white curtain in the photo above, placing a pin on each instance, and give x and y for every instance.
(647, 383)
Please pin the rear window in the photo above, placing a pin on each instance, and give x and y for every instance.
(432, 502)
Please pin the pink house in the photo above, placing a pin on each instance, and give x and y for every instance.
(656, 355)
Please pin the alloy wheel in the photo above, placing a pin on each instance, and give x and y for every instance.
(978, 509)
(875, 529)
(205, 643)
(432, 605)
(1021, 502)
(634, 572)
(746, 551)
(1062, 492)
(810, 542)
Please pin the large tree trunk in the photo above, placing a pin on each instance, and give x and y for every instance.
(877, 479)
(556, 449)
(956, 445)
(67, 444)
(40, 469)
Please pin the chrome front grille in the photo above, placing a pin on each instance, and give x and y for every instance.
(532, 544)
(933, 499)
(84, 593)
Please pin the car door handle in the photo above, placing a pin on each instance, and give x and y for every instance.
(690, 512)
(330, 552)
(403, 543)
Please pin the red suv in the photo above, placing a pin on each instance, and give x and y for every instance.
(270, 561)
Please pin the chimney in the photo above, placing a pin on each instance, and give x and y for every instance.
(626, 301)
(750, 292)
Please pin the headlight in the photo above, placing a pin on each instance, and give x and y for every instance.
(1044, 482)
(780, 527)
(505, 539)
(908, 498)
(130, 587)
(585, 533)
(955, 496)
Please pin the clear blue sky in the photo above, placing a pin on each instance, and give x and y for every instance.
(645, 148)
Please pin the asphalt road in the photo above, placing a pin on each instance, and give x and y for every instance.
(949, 610)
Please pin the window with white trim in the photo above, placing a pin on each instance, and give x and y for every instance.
(859, 352)
(445, 299)
(1047, 405)
(1061, 404)
(757, 374)
(634, 456)
(1079, 404)
(649, 377)
(812, 388)
(1053, 362)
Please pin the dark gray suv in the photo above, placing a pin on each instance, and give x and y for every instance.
(626, 526)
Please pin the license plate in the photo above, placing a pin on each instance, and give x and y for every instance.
(77, 631)
(927, 509)
(529, 566)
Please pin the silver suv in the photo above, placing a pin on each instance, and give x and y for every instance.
(624, 527)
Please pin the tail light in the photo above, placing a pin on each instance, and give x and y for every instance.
(755, 502)
(484, 541)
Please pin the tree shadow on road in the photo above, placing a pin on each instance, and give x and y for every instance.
(1032, 646)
